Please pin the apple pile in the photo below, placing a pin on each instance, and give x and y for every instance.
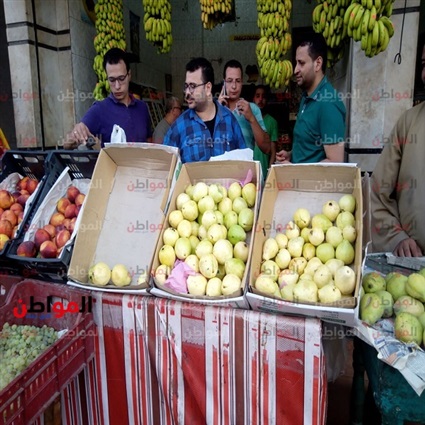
(12, 206)
(399, 297)
(208, 231)
(50, 239)
(100, 274)
(311, 261)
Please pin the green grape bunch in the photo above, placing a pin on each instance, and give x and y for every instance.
(20, 345)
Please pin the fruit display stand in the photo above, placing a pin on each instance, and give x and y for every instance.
(62, 169)
(124, 213)
(224, 173)
(30, 164)
(164, 362)
(309, 186)
(54, 371)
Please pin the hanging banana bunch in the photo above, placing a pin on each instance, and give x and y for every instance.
(328, 19)
(368, 21)
(157, 24)
(275, 41)
(109, 33)
(214, 12)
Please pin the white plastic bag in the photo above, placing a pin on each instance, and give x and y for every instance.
(118, 135)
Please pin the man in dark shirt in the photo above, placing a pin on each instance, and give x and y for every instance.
(120, 108)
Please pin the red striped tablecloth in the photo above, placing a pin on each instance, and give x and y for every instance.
(166, 362)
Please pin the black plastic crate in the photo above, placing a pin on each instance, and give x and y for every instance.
(81, 165)
(30, 164)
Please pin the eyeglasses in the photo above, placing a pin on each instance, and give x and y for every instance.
(121, 79)
(192, 87)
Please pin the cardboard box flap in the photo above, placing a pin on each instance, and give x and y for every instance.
(213, 172)
(328, 179)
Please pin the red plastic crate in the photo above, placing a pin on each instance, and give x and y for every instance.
(28, 395)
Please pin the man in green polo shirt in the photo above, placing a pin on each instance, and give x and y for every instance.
(319, 131)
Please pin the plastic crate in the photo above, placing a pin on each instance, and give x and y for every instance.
(28, 164)
(28, 395)
(81, 165)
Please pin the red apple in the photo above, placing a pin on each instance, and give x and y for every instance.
(3, 241)
(62, 238)
(20, 217)
(22, 199)
(72, 193)
(57, 219)
(71, 211)
(32, 185)
(11, 216)
(16, 208)
(40, 236)
(22, 184)
(72, 224)
(50, 229)
(6, 228)
(62, 204)
(79, 199)
(6, 199)
(27, 249)
(48, 249)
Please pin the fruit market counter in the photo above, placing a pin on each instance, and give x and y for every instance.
(163, 362)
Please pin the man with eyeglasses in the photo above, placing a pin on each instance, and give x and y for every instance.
(173, 109)
(247, 113)
(206, 128)
(120, 108)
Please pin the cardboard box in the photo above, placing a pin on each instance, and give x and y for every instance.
(224, 172)
(287, 188)
(124, 213)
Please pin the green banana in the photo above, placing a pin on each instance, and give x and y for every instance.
(365, 21)
(348, 11)
(316, 12)
(375, 35)
(358, 17)
(388, 24)
(364, 41)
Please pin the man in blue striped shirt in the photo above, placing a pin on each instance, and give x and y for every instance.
(206, 128)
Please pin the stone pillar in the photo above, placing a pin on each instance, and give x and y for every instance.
(39, 46)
